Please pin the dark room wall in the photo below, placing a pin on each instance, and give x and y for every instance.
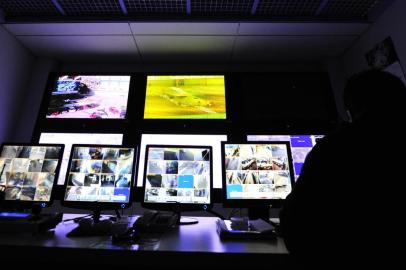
(16, 64)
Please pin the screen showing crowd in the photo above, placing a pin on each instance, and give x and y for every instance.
(301, 145)
(185, 97)
(257, 171)
(100, 174)
(89, 97)
(178, 175)
(28, 172)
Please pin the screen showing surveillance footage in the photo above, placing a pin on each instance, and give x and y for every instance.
(301, 145)
(89, 97)
(184, 139)
(257, 171)
(185, 97)
(178, 175)
(77, 138)
(100, 174)
(28, 172)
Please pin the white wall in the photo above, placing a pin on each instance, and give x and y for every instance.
(15, 68)
(391, 23)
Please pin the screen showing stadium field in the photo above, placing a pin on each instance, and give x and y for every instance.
(89, 97)
(178, 175)
(28, 172)
(100, 174)
(301, 145)
(257, 171)
(185, 97)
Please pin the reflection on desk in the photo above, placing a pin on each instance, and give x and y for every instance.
(195, 242)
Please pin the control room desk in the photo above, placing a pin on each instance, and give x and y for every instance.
(197, 244)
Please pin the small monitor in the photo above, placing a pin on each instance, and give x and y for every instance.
(184, 139)
(77, 138)
(185, 97)
(178, 176)
(301, 145)
(89, 97)
(99, 174)
(29, 172)
(256, 173)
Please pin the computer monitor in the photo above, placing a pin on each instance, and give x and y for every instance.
(99, 177)
(256, 175)
(77, 138)
(178, 178)
(28, 172)
(89, 97)
(185, 97)
(184, 139)
(301, 145)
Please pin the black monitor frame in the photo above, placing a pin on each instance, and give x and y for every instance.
(51, 85)
(22, 204)
(98, 206)
(253, 203)
(176, 207)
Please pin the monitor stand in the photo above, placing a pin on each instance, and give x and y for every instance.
(183, 220)
(259, 212)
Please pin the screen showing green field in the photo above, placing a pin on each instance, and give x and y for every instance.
(185, 97)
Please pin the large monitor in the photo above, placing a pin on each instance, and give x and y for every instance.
(185, 97)
(176, 139)
(77, 138)
(301, 145)
(178, 177)
(99, 174)
(28, 172)
(89, 97)
(256, 174)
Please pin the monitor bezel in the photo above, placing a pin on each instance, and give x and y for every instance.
(176, 206)
(230, 203)
(51, 85)
(29, 204)
(89, 205)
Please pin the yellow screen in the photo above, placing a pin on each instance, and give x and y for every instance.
(185, 97)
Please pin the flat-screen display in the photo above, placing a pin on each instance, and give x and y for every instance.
(185, 97)
(178, 174)
(89, 97)
(176, 139)
(100, 174)
(77, 138)
(29, 172)
(301, 145)
(257, 171)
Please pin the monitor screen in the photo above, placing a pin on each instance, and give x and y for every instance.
(257, 171)
(77, 138)
(175, 139)
(89, 97)
(100, 174)
(28, 172)
(185, 97)
(301, 145)
(178, 174)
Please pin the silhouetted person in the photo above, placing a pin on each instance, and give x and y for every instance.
(345, 207)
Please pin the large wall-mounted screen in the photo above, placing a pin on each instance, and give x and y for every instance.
(89, 97)
(77, 138)
(185, 97)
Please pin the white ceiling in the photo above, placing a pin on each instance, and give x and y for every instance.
(165, 42)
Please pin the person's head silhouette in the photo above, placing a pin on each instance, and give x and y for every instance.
(374, 92)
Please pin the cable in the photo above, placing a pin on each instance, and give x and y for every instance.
(216, 214)
(77, 218)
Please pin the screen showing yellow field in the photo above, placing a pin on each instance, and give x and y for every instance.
(185, 97)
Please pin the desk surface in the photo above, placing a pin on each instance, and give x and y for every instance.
(199, 240)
